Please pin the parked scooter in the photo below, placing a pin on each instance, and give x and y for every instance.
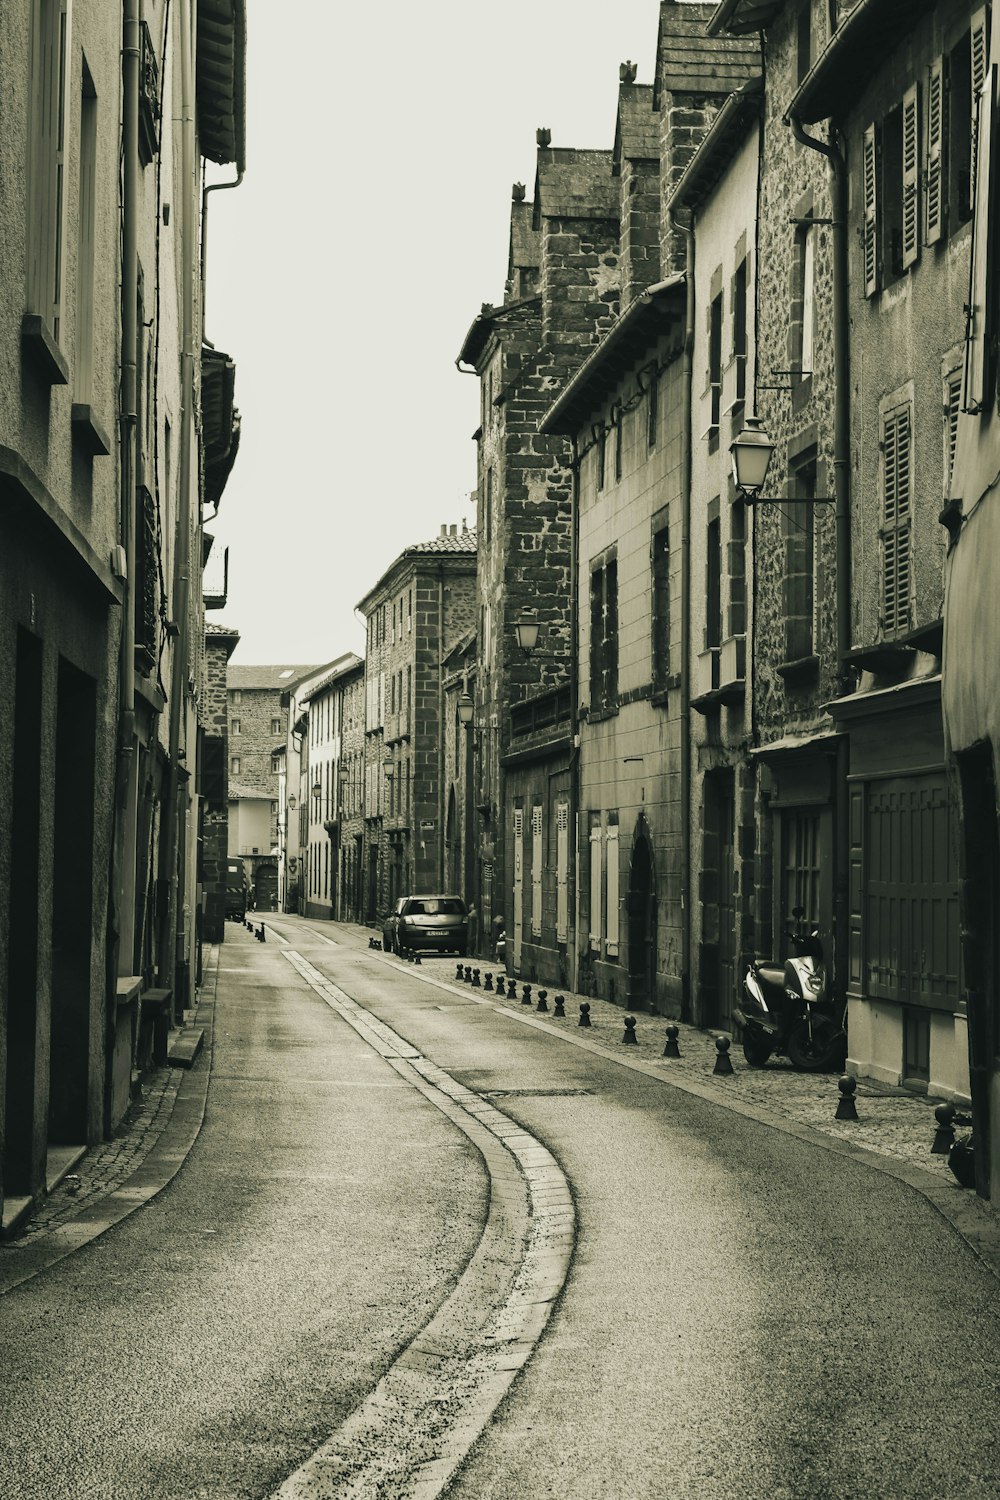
(789, 1008)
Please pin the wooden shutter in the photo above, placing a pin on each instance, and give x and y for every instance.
(612, 918)
(979, 49)
(896, 523)
(562, 872)
(933, 194)
(518, 887)
(611, 630)
(536, 870)
(952, 407)
(596, 639)
(870, 239)
(911, 176)
(596, 883)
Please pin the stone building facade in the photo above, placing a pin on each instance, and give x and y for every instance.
(103, 432)
(971, 649)
(258, 698)
(420, 607)
(220, 643)
(900, 98)
(330, 734)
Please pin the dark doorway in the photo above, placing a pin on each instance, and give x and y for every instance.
(980, 887)
(372, 908)
(22, 962)
(72, 905)
(453, 845)
(718, 941)
(641, 927)
(265, 884)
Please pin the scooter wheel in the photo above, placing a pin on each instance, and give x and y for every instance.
(756, 1050)
(817, 1052)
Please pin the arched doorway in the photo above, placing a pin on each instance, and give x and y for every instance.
(642, 922)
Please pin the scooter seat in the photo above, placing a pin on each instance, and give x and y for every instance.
(773, 974)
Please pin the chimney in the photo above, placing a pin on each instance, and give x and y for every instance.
(444, 531)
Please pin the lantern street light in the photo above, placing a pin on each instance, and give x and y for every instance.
(466, 708)
(751, 453)
(526, 629)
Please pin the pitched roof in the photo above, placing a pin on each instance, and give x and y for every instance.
(461, 544)
(277, 678)
(463, 541)
(344, 666)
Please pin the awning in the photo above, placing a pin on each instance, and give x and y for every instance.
(220, 421)
(221, 81)
(823, 739)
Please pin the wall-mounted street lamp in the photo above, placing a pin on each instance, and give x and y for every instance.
(526, 629)
(466, 708)
(751, 453)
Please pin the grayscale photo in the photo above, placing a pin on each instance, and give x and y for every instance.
(499, 750)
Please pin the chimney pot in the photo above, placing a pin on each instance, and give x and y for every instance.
(444, 531)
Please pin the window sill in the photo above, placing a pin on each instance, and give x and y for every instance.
(802, 669)
(88, 432)
(39, 345)
(661, 695)
(595, 715)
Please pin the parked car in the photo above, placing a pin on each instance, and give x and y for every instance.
(436, 923)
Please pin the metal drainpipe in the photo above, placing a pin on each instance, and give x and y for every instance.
(127, 441)
(574, 702)
(687, 230)
(441, 730)
(176, 806)
(842, 495)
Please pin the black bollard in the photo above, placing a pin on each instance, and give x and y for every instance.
(584, 1014)
(262, 934)
(671, 1048)
(944, 1136)
(543, 1000)
(488, 982)
(629, 1039)
(526, 995)
(511, 989)
(417, 959)
(475, 980)
(846, 1107)
(458, 973)
(723, 1062)
(468, 973)
(560, 1006)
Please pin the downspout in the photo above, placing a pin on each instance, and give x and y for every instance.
(687, 230)
(116, 960)
(176, 805)
(574, 703)
(442, 810)
(842, 496)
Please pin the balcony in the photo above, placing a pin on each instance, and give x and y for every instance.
(719, 675)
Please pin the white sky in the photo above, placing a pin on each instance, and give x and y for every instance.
(382, 142)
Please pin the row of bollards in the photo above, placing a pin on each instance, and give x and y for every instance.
(258, 932)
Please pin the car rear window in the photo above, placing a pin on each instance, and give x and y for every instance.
(437, 906)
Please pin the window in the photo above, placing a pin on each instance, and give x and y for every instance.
(715, 365)
(619, 425)
(274, 809)
(737, 568)
(740, 328)
(713, 581)
(85, 240)
(801, 864)
(602, 447)
(48, 152)
(275, 762)
(611, 862)
(596, 883)
(234, 728)
(562, 871)
(895, 531)
(660, 624)
(237, 696)
(234, 765)
(488, 507)
(604, 635)
(805, 303)
(653, 407)
(803, 41)
(275, 726)
(797, 527)
(536, 870)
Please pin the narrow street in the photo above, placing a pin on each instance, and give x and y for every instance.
(744, 1314)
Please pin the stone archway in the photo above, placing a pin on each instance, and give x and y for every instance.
(641, 907)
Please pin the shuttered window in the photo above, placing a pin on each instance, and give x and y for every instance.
(911, 176)
(536, 870)
(870, 236)
(596, 882)
(977, 337)
(660, 631)
(604, 635)
(562, 872)
(952, 407)
(48, 152)
(518, 886)
(934, 196)
(611, 946)
(896, 513)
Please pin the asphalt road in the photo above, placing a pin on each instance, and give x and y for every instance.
(745, 1315)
